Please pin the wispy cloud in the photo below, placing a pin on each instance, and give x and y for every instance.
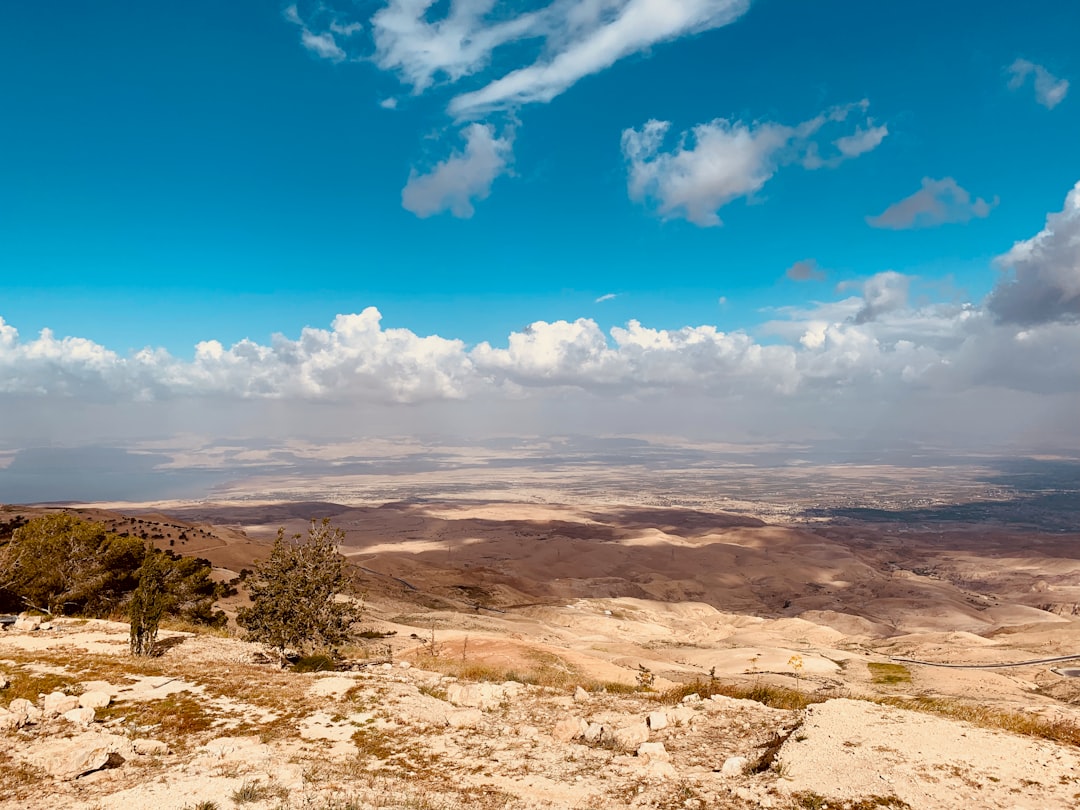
(605, 297)
(321, 43)
(938, 202)
(721, 161)
(1049, 89)
(464, 177)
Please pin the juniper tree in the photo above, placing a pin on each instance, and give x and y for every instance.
(148, 604)
(298, 594)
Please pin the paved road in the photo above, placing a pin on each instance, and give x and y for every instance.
(1032, 662)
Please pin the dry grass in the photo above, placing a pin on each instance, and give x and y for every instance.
(888, 674)
(1029, 725)
(776, 697)
(18, 780)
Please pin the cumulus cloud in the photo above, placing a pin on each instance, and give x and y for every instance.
(721, 161)
(1049, 89)
(882, 293)
(805, 270)
(938, 202)
(455, 183)
(1043, 273)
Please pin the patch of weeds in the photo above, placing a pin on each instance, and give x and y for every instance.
(769, 751)
(315, 663)
(29, 685)
(888, 674)
(776, 697)
(373, 744)
(19, 778)
(178, 716)
(206, 804)
(256, 792)
(432, 690)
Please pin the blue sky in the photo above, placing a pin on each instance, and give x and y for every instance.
(172, 174)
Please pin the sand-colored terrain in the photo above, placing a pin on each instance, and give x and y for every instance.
(601, 593)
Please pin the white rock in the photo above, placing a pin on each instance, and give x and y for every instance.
(4, 682)
(682, 715)
(657, 720)
(484, 696)
(466, 718)
(27, 623)
(10, 720)
(23, 707)
(405, 665)
(693, 697)
(630, 737)
(569, 728)
(58, 703)
(149, 748)
(83, 716)
(653, 752)
(734, 766)
(580, 695)
(94, 700)
(74, 759)
(593, 732)
(45, 626)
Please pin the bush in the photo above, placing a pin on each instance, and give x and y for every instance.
(294, 594)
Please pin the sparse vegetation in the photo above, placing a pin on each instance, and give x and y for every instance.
(888, 674)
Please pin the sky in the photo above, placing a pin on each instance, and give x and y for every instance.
(697, 217)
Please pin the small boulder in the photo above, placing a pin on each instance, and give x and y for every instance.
(10, 720)
(682, 715)
(569, 728)
(83, 716)
(630, 737)
(149, 748)
(29, 712)
(580, 695)
(4, 682)
(27, 623)
(653, 752)
(734, 766)
(74, 759)
(593, 732)
(94, 700)
(58, 703)
(466, 718)
(693, 697)
(657, 720)
(484, 696)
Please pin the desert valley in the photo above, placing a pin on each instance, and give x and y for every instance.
(584, 635)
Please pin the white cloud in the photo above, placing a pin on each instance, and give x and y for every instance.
(455, 183)
(605, 297)
(721, 161)
(862, 140)
(389, 103)
(883, 293)
(938, 202)
(321, 43)
(586, 37)
(1044, 271)
(1049, 89)
(574, 39)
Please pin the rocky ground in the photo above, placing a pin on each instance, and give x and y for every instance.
(213, 723)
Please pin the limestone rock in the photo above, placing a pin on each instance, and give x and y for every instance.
(682, 715)
(580, 695)
(149, 748)
(466, 718)
(29, 712)
(83, 716)
(484, 696)
(58, 703)
(73, 759)
(10, 720)
(4, 682)
(94, 700)
(569, 728)
(653, 752)
(657, 720)
(593, 732)
(734, 766)
(630, 737)
(27, 623)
